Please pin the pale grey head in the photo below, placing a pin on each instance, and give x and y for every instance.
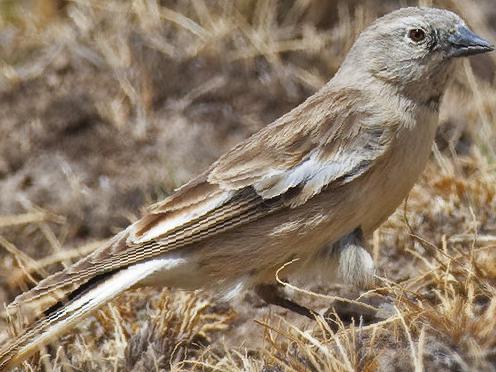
(413, 49)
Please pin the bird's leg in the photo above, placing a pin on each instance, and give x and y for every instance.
(355, 267)
(272, 294)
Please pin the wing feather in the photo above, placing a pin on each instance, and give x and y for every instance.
(331, 139)
(243, 208)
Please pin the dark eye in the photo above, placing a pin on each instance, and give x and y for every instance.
(416, 35)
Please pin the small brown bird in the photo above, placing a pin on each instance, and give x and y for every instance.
(310, 185)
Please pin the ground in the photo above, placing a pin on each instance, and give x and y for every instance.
(109, 106)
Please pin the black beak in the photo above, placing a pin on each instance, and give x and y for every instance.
(465, 43)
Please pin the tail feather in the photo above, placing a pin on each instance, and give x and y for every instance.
(64, 316)
(55, 287)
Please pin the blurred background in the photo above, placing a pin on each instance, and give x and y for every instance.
(107, 106)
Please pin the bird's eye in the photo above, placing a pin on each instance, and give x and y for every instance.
(416, 35)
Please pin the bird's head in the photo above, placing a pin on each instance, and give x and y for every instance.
(413, 48)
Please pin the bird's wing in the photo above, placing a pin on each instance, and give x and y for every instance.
(329, 140)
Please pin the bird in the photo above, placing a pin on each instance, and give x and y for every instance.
(312, 186)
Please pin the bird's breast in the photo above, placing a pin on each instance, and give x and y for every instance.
(395, 175)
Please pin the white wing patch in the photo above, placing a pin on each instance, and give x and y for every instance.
(314, 173)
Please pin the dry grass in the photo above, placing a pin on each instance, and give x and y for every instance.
(107, 106)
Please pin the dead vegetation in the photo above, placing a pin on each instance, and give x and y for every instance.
(108, 106)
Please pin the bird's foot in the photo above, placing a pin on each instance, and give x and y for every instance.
(273, 295)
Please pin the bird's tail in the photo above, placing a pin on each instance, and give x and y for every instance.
(60, 317)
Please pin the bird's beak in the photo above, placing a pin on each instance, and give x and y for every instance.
(463, 42)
